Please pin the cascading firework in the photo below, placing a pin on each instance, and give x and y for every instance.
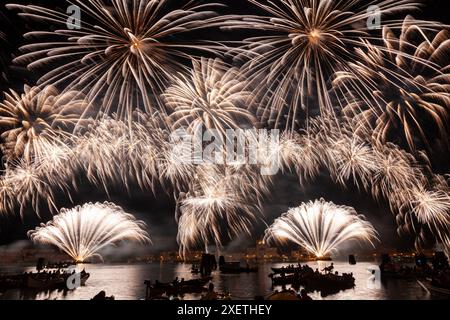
(321, 227)
(126, 56)
(83, 231)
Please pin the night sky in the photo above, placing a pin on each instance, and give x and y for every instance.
(159, 213)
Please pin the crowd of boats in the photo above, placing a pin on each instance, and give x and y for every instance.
(296, 281)
(433, 276)
(326, 281)
(42, 279)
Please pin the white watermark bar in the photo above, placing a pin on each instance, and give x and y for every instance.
(232, 147)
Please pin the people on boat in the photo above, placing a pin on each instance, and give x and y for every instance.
(329, 269)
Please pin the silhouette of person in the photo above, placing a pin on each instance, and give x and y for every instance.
(304, 295)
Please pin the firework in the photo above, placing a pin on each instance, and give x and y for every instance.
(397, 173)
(83, 231)
(5, 52)
(36, 114)
(321, 227)
(405, 85)
(29, 186)
(431, 208)
(305, 44)
(213, 96)
(6, 196)
(175, 161)
(123, 59)
(213, 209)
(353, 159)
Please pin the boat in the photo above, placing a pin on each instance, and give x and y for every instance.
(327, 283)
(46, 281)
(158, 289)
(284, 280)
(235, 267)
(286, 270)
(39, 280)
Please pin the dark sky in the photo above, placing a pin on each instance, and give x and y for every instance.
(159, 213)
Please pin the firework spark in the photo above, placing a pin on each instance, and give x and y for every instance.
(5, 53)
(306, 43)
(123, 58)
(214, 96)
(83, 231)
(6, 196)
(431, 208)
(405, 84)
(321, 227)
(213, 209)
(29, 185)
(36, 114)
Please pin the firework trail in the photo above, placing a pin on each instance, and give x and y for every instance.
(321, 227)
(83, 231)
(5, 52)
(212, 209)
(35, 114)
(213, 96)
(405, 85)
(28, 186)
(305, 43)
(125, 51)
(6, 196)
(228, 194)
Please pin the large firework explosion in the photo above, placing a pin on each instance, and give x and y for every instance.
(83, 231)
(214, 96)
(405, 87)
(321, 227)
(36, 114)
(304, 44)
(125, 51)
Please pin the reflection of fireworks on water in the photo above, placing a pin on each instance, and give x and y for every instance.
(405, 85)
(36, 114)
(131, 50)
(321, 227)
(83, 231)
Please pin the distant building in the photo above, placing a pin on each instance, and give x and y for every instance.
(31, 254)
(263, 252)
(299, 255)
